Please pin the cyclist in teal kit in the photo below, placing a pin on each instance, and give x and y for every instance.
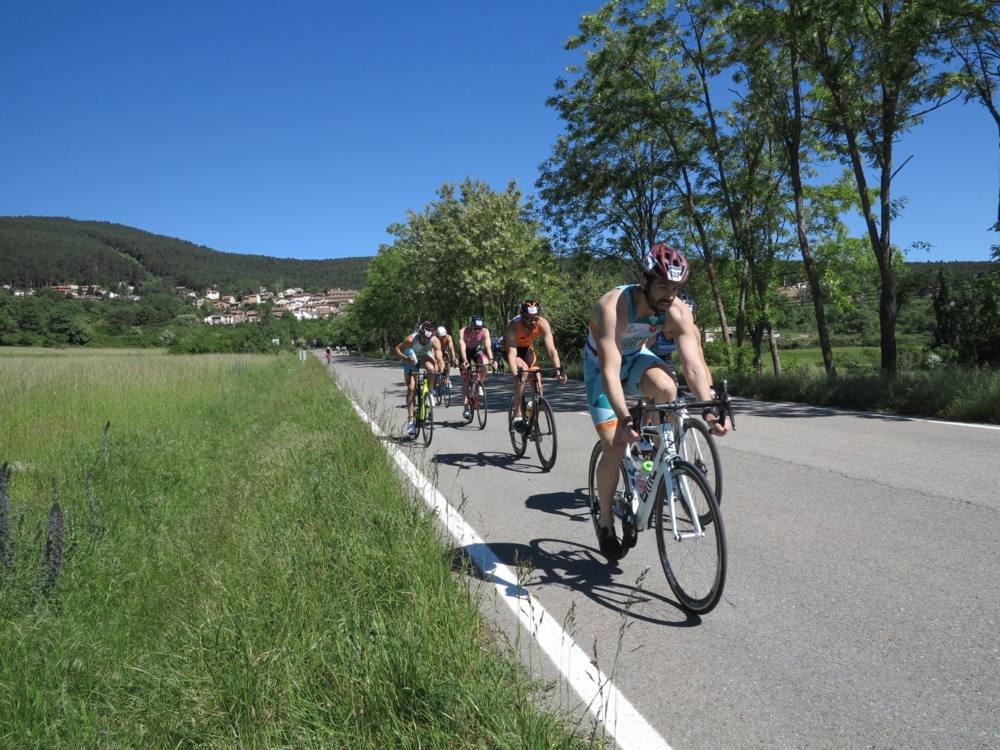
(617, 363)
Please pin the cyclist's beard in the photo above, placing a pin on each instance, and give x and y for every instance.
(659, 305)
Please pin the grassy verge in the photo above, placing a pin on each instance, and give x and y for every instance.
(239, 567)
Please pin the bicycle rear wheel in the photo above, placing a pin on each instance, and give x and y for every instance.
(544, 434)
(699, 448)
(427, 426)
(518, 440)
(695, 567)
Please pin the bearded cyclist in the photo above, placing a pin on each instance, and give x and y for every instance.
(617, 362)
(521, 334)
(420, 349)
(476, 346)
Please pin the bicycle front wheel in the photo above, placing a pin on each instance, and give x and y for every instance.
(427, 426)
(446, 393)
(544, 434)
(695, 566)
(699, 448)
(518, 439)
(481, 407)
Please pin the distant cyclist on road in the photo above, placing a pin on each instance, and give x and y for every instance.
(447, 352)
(521, 334)
(328, 355)
(420, 349)
(476, 346)
(617, 362)
(499, 352)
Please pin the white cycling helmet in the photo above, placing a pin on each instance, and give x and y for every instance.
(442, 331)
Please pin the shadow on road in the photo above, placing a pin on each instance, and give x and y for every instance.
(575, 567)
(506, 461)
(772, 410)
(572, 505)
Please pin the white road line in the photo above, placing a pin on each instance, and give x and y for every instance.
(620, 718)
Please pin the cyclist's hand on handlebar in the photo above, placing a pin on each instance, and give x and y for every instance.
(625, 432)
(562, 376)
(711, 417)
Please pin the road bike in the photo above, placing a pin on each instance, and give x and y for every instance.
(659, 489)
(423, 410)
(538, 423)
(475, 393)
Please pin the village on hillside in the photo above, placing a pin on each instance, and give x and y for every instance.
(223, 309)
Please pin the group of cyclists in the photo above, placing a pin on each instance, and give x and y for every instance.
(432, 348)
(634, 330)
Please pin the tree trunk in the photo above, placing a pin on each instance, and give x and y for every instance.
(793, 143)
(773, 345)
(756, 337)
(741, 313)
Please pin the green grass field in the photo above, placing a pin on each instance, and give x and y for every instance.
(241, 568)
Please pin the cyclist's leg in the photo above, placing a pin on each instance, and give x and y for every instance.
(481, 362)
(466, 373)
(649, 376)
(605, 422)
(525, 359)
(410, 377)
(430, 366)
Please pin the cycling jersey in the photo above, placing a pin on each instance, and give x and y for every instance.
(423, 352)
(636, 359)
(664, 347)
(524, 337)
(474, 338)
(632, 340)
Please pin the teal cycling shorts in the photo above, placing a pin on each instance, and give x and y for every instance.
(409, 368)
(633, 368)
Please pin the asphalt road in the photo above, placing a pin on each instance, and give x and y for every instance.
(862, 605)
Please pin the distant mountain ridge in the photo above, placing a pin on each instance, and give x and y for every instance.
(39, 250)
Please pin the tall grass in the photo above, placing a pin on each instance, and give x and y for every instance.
(240, 567)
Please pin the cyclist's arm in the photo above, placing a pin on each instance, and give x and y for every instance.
(511, 348)
(406, 343)
(605, 319)
(688, 338)
(438, 356)
(461, 345)
(489, 343)
(550, 343)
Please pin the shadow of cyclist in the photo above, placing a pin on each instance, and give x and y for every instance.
(573, 566)
(506, 461)
(572, 505)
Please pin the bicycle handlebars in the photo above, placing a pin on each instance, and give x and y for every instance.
(556, 371)
(722, 406)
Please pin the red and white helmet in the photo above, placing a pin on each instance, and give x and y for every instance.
(665, 263)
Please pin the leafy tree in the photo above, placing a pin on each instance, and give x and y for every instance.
(473, 250)
(976, 43)
(877, 65)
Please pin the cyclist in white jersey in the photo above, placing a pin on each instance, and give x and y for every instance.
(420, 349)
(617, 362)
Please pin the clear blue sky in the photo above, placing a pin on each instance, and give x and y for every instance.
(304, 129)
